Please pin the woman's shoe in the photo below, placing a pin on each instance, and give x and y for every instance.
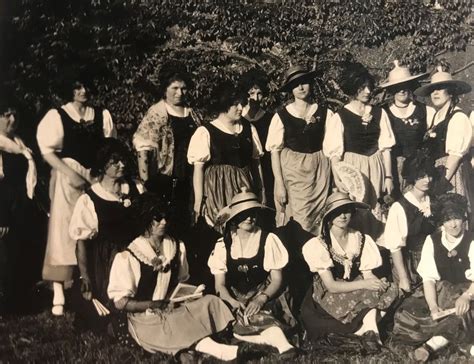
(423, 353)
(58, 310)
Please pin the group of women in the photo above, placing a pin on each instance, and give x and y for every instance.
(123, 220)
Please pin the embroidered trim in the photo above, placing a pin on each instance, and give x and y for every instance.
(149, 257)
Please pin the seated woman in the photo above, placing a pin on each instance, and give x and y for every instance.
(247, 266)
(410, 220)
(346, 296)
(446, 267)
(101, 225)
(142, 279)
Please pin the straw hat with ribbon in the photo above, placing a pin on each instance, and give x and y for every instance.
(294, 75)
(399, 75)
(441, 79)
(338, 199)
(243, 201)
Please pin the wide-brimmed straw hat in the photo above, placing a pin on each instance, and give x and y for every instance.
(442, 79)
(243, 201)
(338, 199)
(294, 74)
(399, 75)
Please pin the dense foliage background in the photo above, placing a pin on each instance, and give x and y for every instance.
(122, 44)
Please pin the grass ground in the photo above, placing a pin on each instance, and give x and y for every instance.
(42, 338)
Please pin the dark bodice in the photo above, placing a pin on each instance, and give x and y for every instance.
(262, 125)
(360, 138)
(82, 140)
(114, 219)
(452, 267)
(235, 150)
(435, 142)
(338, 269)
(147, 283)
(408, 131)
(419, 226)
(301, 136)
(183, 129)
(12, 185)
(245, 274)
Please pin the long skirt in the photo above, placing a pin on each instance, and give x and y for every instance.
(60, 256)
(411, 259)
(221, 183)
(460, 182)
(413, 322)
(307, 178)
(275, 312)
(370, 222)
(179, 328)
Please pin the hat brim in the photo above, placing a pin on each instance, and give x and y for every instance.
(292, 82)
(355, 204)
(228, 213)
(461, 87)
(405, 80)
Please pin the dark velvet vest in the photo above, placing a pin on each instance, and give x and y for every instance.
(245, 274)
(419, 226)
(452, 268)
(409, 131)
(360, 138)
(235, 150)
(301, 136)
(183, 129)
(82, 140)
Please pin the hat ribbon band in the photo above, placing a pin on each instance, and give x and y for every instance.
(247, 200)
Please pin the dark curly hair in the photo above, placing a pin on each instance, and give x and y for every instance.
(354, 77)
(226, 95)
(450, 206)
(254, 77)
(171, 72)
(417, 166)
(149, 207)
(112, 150)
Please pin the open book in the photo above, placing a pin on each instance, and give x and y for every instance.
(184, 291)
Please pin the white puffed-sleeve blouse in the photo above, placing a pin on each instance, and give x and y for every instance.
(275, 254)
(50, 133)
(276, 131)
(199, 151)
(333, 145)
(318, 258)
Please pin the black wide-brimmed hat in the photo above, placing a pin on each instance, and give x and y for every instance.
(294, 75)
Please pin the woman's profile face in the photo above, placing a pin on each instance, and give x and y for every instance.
(302, 91)
(175, 93)
(158, 227)
(235, 111)
(342, 217)
(439, 97)
(454, 227)
(363, 94)
(423, 183)
(79, 94)
(8, 123)
(115, 168)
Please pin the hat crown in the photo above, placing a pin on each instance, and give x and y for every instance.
(441, 76)
(243, 196)
(294, 71)
(398, 73)
(338, 197)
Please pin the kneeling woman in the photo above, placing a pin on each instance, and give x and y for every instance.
(346, 296)
(141, 280)
(247, 266)
(446, 266)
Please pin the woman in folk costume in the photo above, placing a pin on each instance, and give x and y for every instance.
(448, 140)
(361, 135)
(247, 265)
(346, 296)
(17, 184)
(162, 141)
(408, 117)
(410, 220)
(301, 170)
(69, 138)
(225, 154)
(446, 267)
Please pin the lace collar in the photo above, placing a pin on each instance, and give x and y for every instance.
(72, 112)
(159, 260)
